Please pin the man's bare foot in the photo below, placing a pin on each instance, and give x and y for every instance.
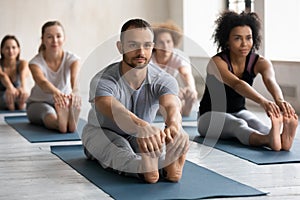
(149, 168)
(62, 118)
(289, 131)
(174, 170)
(274, 134)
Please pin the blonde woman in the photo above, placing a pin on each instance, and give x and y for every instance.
(54, 100)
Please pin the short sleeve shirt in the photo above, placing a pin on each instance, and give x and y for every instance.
(61, 78)
(143, 102)
(178, 59)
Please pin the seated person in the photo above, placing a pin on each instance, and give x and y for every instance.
(54, 100)
(13, 74)
(125, 97)
(167, 37)
(230, 75)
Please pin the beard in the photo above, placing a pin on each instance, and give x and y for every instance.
(130, 62)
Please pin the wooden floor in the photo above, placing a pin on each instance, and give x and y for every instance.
(31, 171)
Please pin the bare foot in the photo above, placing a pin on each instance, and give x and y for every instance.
(274, 134)
(289, 131)
(11, 107)
(150, 168)
(73, 117)
(174, 170)
(62, 118)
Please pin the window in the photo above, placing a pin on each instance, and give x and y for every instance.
(282, 30)
(198, 25)
(240, 5)
(280, 26)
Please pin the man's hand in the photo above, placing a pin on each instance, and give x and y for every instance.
(177, 141)
(150, 140)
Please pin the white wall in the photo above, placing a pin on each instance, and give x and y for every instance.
(87, 22)
(199, 22)
(89, 25)
(92, 27)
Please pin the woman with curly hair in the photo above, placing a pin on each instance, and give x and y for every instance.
(230, 75)
(167, 37)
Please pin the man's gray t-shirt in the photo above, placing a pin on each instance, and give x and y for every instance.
(143, 102)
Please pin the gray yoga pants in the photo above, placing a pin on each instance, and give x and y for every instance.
(36, 111)
(238, 125)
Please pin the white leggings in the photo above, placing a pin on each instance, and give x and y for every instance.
(238, 125)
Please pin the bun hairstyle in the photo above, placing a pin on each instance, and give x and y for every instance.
(44, 27)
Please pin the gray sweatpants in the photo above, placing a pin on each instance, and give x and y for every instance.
(112, 150)
(36, 111)
(238, 125)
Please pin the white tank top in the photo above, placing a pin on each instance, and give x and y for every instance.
(61, 79)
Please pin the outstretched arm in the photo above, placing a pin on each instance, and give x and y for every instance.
(187, 76)
(11, 92)
(74, 96)
(24, 73)
(47, 86)
(219, 68)
(170, 109)
(149, 138)
(265, 68)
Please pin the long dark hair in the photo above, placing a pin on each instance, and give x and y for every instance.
(44, 27)
(9, 37)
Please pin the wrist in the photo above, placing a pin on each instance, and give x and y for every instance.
(173, 124)
(279, 100)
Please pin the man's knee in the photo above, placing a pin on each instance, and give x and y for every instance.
(88, 154)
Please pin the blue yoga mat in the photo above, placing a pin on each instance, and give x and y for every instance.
(257, 155)
(14, 111)
(34, 133)
(197, 182)
(190, 118)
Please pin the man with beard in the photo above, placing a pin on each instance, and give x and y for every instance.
(125, 97)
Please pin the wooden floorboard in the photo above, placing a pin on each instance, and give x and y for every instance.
(31, 171)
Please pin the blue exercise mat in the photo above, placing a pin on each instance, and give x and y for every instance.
(190, 118)
(34, 133)
(257, 155)
(197, 182)
(14, 111)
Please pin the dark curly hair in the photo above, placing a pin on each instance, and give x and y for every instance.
(229, 20)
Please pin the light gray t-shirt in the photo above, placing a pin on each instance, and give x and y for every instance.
(144, 102)
(178, 59)
(61, 79)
